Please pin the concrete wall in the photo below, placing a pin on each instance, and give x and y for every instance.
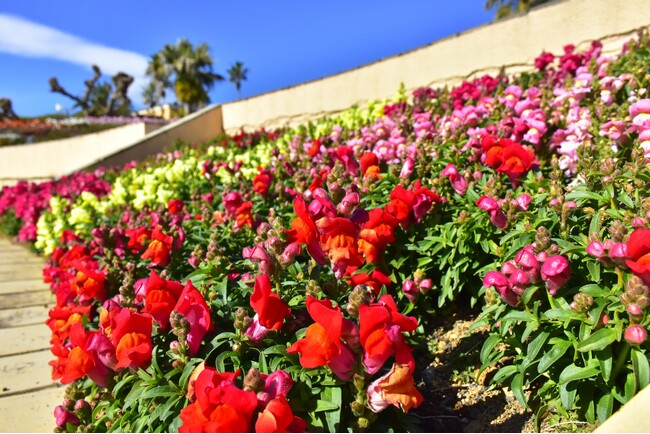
(514, 42)
(59, 157)
(114, 147)
(198, 127)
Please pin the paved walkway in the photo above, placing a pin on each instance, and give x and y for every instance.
(27, 393)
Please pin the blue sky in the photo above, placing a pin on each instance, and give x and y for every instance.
(282, 42)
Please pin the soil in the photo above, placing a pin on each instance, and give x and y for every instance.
(457, 399)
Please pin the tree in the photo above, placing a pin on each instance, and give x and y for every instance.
(237, 74)
(185, 69)
(506, 8)
(153, 93)
(100, 98)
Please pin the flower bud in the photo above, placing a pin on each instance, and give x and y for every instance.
(635, 334)
(253, 381)
(425, 286)
(410, 290)
(64, 417)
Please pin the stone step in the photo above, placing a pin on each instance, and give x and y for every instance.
(20, 259)
(25, 339)
(23, 316)
(21, 274)
(22, 286)
(31, 412)
(26, 299)
(25, 372)
(21, 265)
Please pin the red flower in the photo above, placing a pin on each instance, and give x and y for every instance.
(87, 283)
(423, 200)
(516, 160)
(175, 206)
(278, 417)
(376, 234)
(192, 305)
(131, 337)
(638, 249)
(380, 334)
(159, 248)
(220, 406)
(375, 280)
(244, 215)
(370, 165)
(269, 306)
(137, 238)
(322, 344)
(262, 181)
(401, 204)
(304, 231)
(315, 148)
(160, 298)
(493, 150)
(62, 318)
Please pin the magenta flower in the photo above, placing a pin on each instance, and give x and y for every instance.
(502, 285)
(497, 217)
(458, 183)
(410, 290)
(556, 271)
(596, 249)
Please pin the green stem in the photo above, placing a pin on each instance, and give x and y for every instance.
(620, 361)
(551, 300)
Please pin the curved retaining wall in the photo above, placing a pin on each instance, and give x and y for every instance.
(513, 43)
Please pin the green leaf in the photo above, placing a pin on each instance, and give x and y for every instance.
(641, 368)
(553, 355)
(598, 340)
(333, 418)
(325, 406)
(517, 387)
(568, 395)
(519, 316)
(605, 407)
(503, 374)
(488, 346)
(562, 314)
(573, 372)
(594, 270)
(584, 194)
(594, 290)
(604, 357)
(536, 345)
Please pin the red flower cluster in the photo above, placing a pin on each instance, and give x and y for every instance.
(506, 156)
(262, 181)
(220, 406)
(159, 245)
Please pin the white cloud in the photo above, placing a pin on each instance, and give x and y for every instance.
(22, 37)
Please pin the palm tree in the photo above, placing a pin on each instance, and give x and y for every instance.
(187, 70)
(153, 93)
(237, 74)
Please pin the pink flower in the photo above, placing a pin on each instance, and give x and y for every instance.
(522, 201)
(192, 305)
(410, 290)
(497, 217)
(458, 183)
(596, 249)
(556, 271)
(635, 335)
(502, 285)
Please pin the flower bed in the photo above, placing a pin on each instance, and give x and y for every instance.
(16, 132)
(290, 281)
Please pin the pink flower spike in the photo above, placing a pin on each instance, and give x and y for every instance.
(522, 202)
(497, 217)
(556, 271)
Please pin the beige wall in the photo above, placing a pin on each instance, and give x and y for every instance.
(195, 128)
(59, 157)
(514, 43)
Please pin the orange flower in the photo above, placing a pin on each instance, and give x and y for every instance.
(376, 234)
(370, 165)
(375, 280)
(395, 388)
(131, 337)
(322, 343)
(244, 215)
(262, 181)
(88, 284)
(303, 229)
(63, 318)
(380, 334)
(137, 238)
(493, 150)
(401, 204)
(339, 241)
(159, 248)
